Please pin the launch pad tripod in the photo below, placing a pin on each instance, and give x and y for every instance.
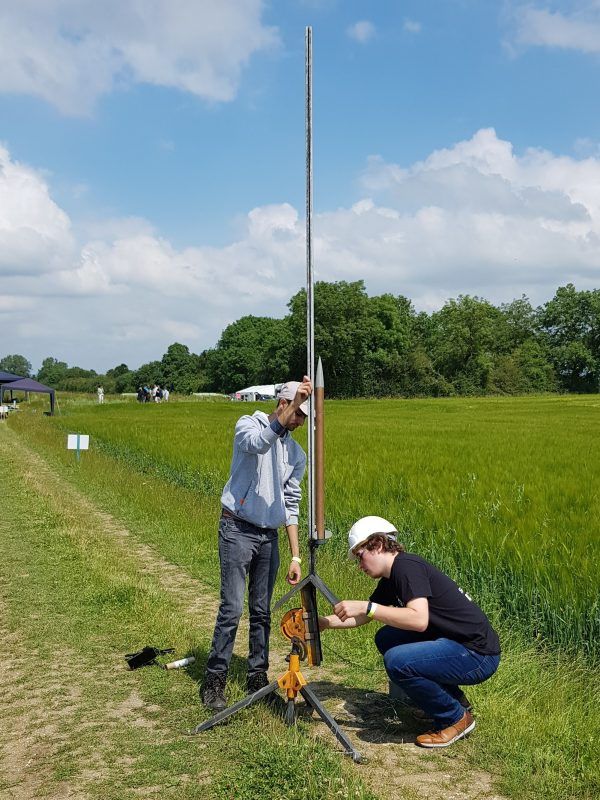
(292, 683)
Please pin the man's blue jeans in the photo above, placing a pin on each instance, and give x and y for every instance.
(431, 670)
(245, 551)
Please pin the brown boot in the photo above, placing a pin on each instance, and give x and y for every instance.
(449, 735)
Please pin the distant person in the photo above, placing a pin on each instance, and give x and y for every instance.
(141, 396)
(165, 395)
(434, 640)
(100, 391)
(158, 395)
(262, 494)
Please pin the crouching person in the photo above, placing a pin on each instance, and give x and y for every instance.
(434, 638)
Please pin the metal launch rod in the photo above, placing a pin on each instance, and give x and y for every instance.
(310, 301)
(315, 434)
(316, 485)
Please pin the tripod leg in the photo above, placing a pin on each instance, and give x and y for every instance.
(283, 600)
(290, 713)
(228, 712)
(339, 734)
(325, 590)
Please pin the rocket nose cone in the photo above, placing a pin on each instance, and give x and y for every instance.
(319, 380)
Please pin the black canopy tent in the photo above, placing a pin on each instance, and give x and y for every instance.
(7, 377)
(27, 385)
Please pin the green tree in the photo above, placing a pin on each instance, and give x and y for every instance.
(537, 372)
(342, 335)
(571, 323)
(181, 369)
(148, 374)
(464, 337)
(522, 322)
(77, 379)
(16, 364)
(119, 379)
(423, 380)
(390, 339)
(124, 383)
(251, 351)
(116, 372)
(52, 372)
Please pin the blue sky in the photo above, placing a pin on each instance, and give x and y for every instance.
(152, 161)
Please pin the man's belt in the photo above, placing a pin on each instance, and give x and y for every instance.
(227, 513)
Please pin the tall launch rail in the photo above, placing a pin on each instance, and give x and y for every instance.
(301, 625)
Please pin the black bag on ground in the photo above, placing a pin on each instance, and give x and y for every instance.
(147, 656)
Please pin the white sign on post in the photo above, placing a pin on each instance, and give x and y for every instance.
(78, 441)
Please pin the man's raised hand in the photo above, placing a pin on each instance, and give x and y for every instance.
(303, 391)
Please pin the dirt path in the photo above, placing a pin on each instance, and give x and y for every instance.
(394, 766)
(30, 734)
(41, 694)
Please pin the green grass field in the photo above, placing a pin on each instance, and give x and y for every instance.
(501, 493)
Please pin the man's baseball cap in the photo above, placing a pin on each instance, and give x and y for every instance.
(288, 392)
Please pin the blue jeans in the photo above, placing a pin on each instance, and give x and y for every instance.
(245, 551)
(431, 670)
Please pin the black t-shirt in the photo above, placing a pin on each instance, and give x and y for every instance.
(452, 613)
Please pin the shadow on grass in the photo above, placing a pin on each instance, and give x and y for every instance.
(372, 716)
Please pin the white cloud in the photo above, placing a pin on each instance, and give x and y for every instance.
(411, 26)
(584, 146)
(579, 30)
(472, 218)
(14, 303)
(477, 218)
(175, 329)
(70, 52)
(35, 234)
(361, 31)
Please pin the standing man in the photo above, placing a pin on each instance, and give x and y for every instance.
(262, 493)
(434, 638)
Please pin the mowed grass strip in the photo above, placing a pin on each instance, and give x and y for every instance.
(538, 725)
(74, 601)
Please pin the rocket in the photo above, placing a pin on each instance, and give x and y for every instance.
(319, 390)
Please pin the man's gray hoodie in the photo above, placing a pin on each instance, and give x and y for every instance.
(266, 471)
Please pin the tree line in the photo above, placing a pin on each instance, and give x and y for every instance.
(380, 346)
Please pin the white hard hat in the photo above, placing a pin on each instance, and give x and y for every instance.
(366, 527)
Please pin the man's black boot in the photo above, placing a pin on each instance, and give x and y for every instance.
(257, 681)
(213, 691)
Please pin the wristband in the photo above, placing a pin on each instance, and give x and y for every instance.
(371, 609)
(278, 428)
(297, 559)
